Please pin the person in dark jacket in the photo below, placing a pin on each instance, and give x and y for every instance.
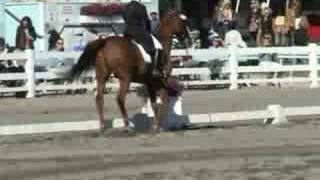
(139, 28)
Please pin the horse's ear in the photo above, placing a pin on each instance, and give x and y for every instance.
(172, 12)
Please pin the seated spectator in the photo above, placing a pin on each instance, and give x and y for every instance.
(59, 45)
(57, 60)
(155, 25)
(53, 38)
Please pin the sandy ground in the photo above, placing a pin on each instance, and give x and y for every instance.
(253, 152)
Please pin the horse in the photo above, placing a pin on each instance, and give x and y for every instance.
(121, 57)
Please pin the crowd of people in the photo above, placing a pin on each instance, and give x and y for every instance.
(264, 26)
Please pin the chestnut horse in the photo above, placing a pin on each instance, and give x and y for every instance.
(121, 57)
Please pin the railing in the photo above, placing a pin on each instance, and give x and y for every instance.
(232, 70)
(27, 59)
(234, 55)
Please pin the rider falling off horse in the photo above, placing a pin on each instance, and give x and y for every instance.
(139, 29)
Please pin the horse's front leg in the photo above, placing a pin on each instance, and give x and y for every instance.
(161, 110)
(162, 113)
(153, 100)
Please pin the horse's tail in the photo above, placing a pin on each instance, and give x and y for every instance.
(87, 59)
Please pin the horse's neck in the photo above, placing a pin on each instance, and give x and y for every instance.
(165, 37)
(166, 43)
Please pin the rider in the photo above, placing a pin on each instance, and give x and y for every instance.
(139, 28)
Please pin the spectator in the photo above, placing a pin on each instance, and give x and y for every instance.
(53, 38)
(2, 45)
(26, 34)
(280, 30)
(301, 34)
(59, 45)
(155, 25)
(56, 59)
(225, 20)
(216, 41)
(199, 14)
(254, 20)
(293, 11)
(265, 31)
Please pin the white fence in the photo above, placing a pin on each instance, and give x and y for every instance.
(310, 53)
(233, 55)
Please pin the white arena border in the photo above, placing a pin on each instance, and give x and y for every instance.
(274, 114)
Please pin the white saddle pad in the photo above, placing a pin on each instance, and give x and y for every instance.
(145, 55)
(156, 43)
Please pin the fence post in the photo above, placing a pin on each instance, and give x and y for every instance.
(233, 64)
(29, 67)
(313, 64)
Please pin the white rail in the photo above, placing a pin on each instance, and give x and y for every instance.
(274, 114)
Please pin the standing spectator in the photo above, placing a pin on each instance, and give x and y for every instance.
(155, 25)
(254, 20)
(280, 29)
(199, 14)
(26, 34)
(2, 45)
(265, 31)
(293, 11)
(225, 19)
(301, 34)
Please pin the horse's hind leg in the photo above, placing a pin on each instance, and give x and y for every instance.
(124, 88)
(101, 84)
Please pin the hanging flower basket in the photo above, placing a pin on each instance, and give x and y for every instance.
(98, 9)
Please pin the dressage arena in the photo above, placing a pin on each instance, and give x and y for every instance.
(289, 151)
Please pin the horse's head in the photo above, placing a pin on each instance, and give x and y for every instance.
(174, 23)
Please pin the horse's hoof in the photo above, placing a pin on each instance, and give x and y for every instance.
(128, 130)
(157, 129)
(102, 128)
